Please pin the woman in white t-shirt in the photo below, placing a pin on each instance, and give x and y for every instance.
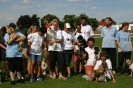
(55, 53)
(76, 49)
(35, 45)
(31, 30)
(67, 45)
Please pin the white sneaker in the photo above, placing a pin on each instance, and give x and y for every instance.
(84, 76)
(114, 72)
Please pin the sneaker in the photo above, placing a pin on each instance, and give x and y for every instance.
(13, 82)
(39, 78)
(32, 79)
(84, 76)
(114, 72)
(7, 76)
(126, 74)
(68, 76)
(62, 77)
(20, 81)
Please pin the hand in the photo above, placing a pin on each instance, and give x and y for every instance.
(79, 44)
(122, 50)
(15, 36)
(132, 50)
(114, 80)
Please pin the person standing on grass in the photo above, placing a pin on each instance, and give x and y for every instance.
(13, 54)
(31, 30)
(125, 48)
(35, 47)
(55, 53)
(108, 35)
(77, 63)
(23, 30)
(3, 50)
(2, 45)
(67, 45)
(86, 29)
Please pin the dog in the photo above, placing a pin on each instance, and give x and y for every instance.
(44, 66)
(50, 35)
(97, 54)
(11, 35)
(97, 73)
(130, 64)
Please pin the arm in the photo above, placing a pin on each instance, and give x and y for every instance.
(119, 45)
(20, 39)
(131, 46)
(29, 45)
(2, 46)
(111, 73)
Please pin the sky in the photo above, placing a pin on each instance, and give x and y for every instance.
(118, 10)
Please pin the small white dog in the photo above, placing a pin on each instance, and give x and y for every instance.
(44, 66)
(130, 63)
(50, 35)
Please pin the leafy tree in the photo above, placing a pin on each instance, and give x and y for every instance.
(25, 20)
(35, 20)
(93, 23)
(48, 17)
(70, 19)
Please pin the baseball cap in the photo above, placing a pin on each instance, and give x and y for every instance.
(68, 25)
(12, 25)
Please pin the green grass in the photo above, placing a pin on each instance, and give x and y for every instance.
(75, 82)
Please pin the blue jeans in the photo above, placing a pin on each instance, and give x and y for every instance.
(37, 58)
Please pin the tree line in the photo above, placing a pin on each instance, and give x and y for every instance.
(27, 21)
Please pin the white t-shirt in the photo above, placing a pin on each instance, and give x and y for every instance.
(98, 63)
(29, 36)
(36, 44)
(87, 30)
(67, 38)
(76, 40)
(58, 35)
(91, 56)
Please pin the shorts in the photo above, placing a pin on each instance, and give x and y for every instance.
(24, 53)
(37, 58)
(89, 68)
(15, 64)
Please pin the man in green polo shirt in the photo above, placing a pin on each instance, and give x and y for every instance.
(23, 30)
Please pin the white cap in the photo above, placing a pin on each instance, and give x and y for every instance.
(68, 25)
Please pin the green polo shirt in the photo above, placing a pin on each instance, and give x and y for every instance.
(24, 32)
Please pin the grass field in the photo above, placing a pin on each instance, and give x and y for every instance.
(75, 82)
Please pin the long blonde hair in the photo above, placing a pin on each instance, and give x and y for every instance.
(30, 29)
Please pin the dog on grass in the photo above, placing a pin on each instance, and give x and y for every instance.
(130, 64)
(11, 36)
(44, 66)
(97, 73)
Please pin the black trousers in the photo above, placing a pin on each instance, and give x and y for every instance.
(112, 55)
(56, 56)
(122, 57)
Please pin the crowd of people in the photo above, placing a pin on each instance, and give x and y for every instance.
(60, 47)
